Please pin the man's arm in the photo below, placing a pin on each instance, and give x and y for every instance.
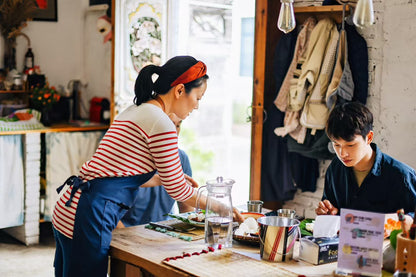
(326, 206)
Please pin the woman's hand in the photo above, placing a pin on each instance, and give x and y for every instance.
(326, 208)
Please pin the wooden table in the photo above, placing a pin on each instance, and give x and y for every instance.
(137, 251)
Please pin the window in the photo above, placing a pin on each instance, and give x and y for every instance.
(217, 137)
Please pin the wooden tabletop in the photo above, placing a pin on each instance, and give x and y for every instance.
(146, 249)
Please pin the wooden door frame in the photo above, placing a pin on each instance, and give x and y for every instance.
(266, 36)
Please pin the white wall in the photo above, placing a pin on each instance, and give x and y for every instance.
(393, 97)
(69, 49)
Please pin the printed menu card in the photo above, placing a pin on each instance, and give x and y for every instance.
(361, 238)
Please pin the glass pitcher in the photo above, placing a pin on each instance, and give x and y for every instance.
(218, 212)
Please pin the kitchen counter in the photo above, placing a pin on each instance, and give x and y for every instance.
(137, 250)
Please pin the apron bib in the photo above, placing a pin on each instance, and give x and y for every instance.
(103, 202)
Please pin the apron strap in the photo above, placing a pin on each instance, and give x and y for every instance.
(76, 183)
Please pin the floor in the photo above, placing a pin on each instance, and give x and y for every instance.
(17, 259)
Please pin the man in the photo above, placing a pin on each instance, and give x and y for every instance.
(153, 202)
(362, 177)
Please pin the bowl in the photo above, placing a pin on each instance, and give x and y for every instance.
(250, 239)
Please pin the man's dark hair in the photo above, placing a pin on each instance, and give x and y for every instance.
(348, 120)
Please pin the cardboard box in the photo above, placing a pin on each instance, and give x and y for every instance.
(318, 250)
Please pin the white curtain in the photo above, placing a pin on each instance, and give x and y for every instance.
(11, 181)
(65, 154)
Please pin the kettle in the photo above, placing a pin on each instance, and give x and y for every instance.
(218, 212)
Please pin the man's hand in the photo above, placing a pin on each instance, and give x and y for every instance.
(190, 181)
(326, 208)
(153, 182)
(237, 216)
(184, 208)
(120, 225)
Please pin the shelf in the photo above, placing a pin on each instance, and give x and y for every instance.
(14, 91)
(58, 128)
(331, 11)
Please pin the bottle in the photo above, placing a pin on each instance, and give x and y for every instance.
(29, 60)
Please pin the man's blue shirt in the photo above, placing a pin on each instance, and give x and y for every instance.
(153, 203)
(389, 186)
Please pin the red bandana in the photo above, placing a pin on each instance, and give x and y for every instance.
(194, 72)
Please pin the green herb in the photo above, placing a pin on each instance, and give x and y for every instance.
(393, 238)
(181, 218)
(302, 227)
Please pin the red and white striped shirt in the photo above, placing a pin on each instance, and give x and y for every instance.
(141, 139)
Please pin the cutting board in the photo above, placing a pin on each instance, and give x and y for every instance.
(195, 234)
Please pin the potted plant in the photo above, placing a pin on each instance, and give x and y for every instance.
(42, 99)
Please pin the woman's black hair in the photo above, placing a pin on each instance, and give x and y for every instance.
(348, 120)
(146, 90)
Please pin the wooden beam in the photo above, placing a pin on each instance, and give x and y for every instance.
(260, 37)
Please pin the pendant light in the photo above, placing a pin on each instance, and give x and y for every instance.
(286, 21)
(364, 14)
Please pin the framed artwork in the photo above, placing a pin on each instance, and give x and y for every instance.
(47, 10)
(140, 39)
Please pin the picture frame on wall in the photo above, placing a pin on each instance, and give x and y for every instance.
(140, 40)
(47, 10)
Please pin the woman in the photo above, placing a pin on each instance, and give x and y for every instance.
(140, 141)
(154, 203)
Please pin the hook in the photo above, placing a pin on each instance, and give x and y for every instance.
(249, 117)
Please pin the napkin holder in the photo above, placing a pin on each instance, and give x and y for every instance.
(318, 251)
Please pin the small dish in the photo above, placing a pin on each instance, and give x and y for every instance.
(251, 239)
(184, 218)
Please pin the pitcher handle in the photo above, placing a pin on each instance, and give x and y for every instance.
(200, 189)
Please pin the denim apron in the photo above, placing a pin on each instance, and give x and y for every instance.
(102, 203)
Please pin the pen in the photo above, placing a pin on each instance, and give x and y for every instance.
(400, 215)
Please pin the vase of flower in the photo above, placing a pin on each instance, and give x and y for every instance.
(42, 99)
(45, 117)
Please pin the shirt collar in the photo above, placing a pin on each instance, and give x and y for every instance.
(377, 161)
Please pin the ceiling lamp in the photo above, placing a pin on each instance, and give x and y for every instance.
(364, 14)
(286, 21)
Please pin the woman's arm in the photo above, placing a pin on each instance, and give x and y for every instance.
(216, 206)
